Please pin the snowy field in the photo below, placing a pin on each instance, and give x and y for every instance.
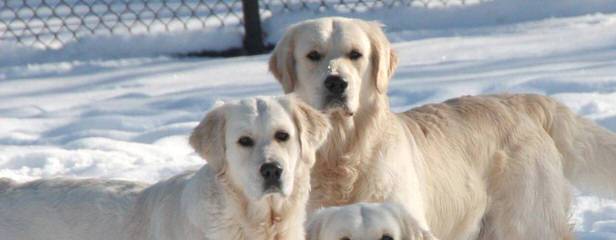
(129, 118)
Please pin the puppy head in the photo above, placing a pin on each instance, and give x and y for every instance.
(364, 221)
(334, 64)
(260, 142)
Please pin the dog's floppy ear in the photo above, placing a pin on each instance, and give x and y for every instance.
(282, 62)
(409, 227)
(208, 138)
(383, 59)
(312, 125)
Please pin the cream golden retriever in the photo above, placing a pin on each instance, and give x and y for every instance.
(365, 221)
(255, 186)
(484, 167)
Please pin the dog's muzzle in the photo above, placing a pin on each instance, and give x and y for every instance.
(271, 173)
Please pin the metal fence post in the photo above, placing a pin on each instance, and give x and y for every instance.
(253, 38)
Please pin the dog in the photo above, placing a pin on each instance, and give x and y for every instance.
(254, 186)
(475, 167)
(364, 221)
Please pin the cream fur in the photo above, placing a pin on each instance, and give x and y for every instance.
(211, 203)
(365, 221)
(485, 167)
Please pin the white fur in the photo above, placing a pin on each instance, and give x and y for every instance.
(365, 221)
(486, 167)
(225, 199)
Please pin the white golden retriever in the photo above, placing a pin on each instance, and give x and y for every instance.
(485, 167)
(255, 186)
(365, 221)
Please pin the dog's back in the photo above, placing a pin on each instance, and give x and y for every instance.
(512, 149)
(66, 209)
(588, 150)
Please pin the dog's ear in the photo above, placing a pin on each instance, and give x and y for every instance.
(409, 227)
(312, 125)
(208, 138)
(282, 62)
(383, 59)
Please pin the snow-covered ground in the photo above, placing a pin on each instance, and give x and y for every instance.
(421, 15)
(129, 118)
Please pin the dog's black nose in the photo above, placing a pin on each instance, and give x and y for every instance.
(335, 84)
(271, 172)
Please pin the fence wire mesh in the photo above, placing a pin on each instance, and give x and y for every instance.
(53, 23)
(50, 23)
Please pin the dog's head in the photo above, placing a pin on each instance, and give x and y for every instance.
(334, 64)
(260, 143)
(364, 221)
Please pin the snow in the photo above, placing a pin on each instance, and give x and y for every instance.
(215, 37)
(125, 113)
(485, 13)
(120, 119)
(123, 46)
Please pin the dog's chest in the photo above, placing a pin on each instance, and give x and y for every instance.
(345, 180)
(226, 230)
(267, 228)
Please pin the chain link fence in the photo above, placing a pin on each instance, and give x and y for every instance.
(53, 23)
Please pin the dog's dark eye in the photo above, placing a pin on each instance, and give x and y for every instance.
(246, 141)
(281, 136)
(354, 55)
(345, 238)
(387, 237)
(314, 56)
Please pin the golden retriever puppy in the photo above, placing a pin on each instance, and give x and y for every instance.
(484, 167)
(365, 221)
(255, 186)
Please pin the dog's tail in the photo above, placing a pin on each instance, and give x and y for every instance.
(588, 150)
